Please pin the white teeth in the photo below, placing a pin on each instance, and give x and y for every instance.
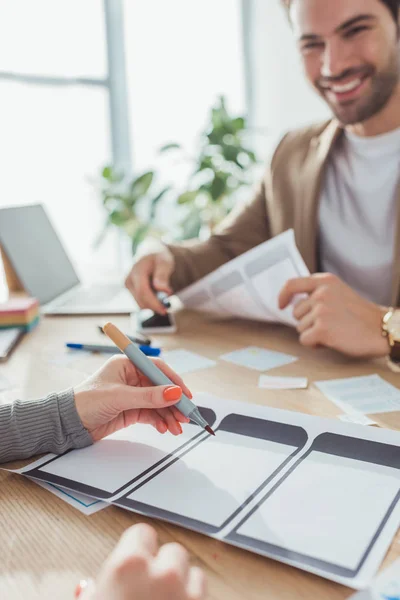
(348, 87)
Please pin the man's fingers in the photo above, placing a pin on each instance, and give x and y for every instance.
(138, 283)
(146, 297)
(301, 285)
(310, 337)
(306, 322)
(163, 268)
(302, 308)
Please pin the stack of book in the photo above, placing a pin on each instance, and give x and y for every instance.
(19, 312)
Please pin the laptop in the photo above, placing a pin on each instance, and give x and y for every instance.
(46, 272)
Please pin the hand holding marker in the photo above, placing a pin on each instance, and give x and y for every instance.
(148, 368)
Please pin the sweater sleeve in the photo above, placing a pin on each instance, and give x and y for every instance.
(50, 424)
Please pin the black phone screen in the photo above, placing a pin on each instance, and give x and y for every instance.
(150, 320)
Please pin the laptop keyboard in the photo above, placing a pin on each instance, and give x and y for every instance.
(93, 295)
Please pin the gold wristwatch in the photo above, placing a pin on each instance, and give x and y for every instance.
(391, 330)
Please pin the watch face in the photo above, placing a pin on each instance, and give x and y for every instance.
(394, 325)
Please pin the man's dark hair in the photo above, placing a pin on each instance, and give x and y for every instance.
(393, 6)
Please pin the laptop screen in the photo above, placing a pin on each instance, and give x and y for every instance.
(35, 252)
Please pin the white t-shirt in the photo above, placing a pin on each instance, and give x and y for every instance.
(358, 212)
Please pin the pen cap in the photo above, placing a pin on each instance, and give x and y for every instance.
(119, 338)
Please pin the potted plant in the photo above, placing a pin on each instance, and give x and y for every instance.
(130, 203)
(222, 167)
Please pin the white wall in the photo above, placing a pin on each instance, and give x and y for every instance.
(282, 98)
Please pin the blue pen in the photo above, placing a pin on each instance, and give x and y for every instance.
(147, 350)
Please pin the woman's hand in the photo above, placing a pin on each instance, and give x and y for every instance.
(138, 569)
(119, 395)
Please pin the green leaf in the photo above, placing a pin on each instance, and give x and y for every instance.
(111, 175)
(205, 163)
(139, 236)
(238, 124)
(140, 186)
(218, 186)
(118, 218)
(230, 153)
(191, 225)
(110, 196)
(107, 172)
(131, 225)
(171, 146)
(187, 197)
(155, 202)
(252, 156)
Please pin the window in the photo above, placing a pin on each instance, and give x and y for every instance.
(55, 117)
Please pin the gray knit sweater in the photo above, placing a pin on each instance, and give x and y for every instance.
(50, 424)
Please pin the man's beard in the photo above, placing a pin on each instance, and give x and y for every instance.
(381, 88)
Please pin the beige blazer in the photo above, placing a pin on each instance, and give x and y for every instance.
(288, 197)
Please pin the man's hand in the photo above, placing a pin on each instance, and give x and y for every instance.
(335, 316)
(119, 395)
(149, 273)
(138, 569)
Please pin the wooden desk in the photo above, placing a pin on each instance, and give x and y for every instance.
(46, 546)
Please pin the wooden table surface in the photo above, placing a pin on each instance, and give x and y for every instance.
(46, 546)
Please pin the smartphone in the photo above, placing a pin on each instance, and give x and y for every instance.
(147, 322)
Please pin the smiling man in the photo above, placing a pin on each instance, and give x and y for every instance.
(336, 184)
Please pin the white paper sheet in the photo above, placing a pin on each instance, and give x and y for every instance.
(282, 484)
(224, 487)
(183, 361)
(268, 382)
(85, 504)
(324, 495)
(365, 395)
(258, 359)
(113, 462)
(249, 285)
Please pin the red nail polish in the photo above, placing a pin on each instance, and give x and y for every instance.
(80, 587)
(172, 393)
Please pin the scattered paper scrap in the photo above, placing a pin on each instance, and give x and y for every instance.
(386, 586)
(268, 382)
(357, 419)
(369, 394)
(183, 361)
(259, 359)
